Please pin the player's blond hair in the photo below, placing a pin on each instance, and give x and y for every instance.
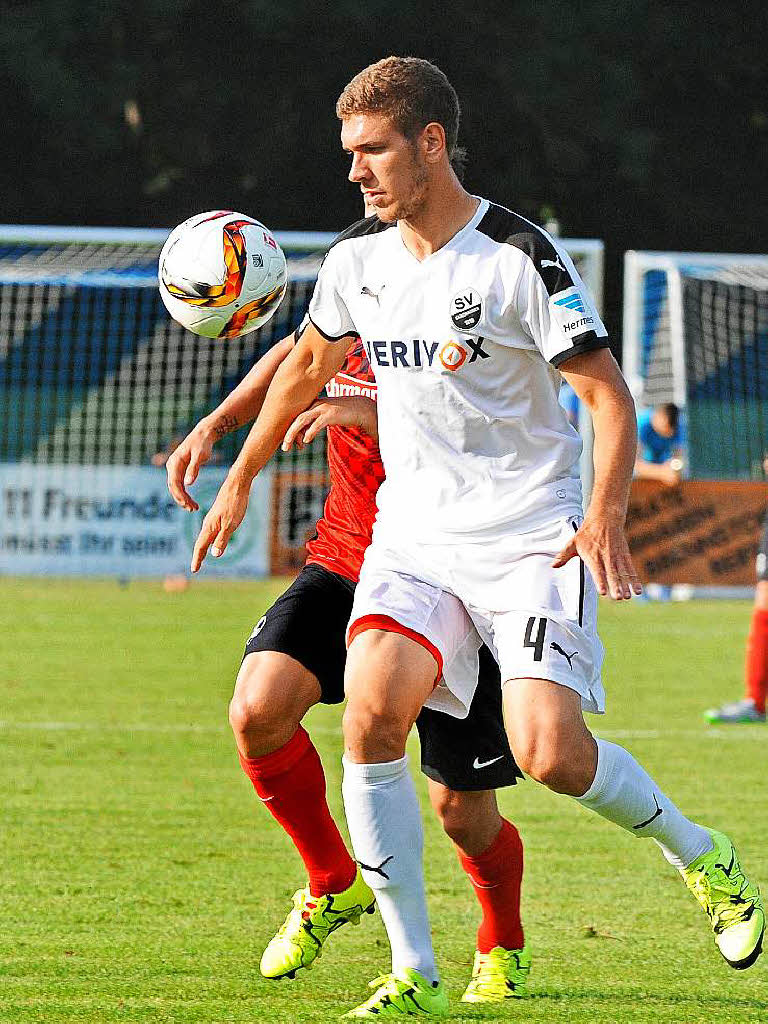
(411, 91)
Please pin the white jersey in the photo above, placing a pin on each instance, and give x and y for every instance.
(465, 347)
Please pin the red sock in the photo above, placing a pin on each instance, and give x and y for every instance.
(291, 783)
(497, 875)
(757, 658)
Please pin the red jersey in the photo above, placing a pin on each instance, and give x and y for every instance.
(356, 471)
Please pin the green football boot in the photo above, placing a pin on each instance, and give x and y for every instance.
(499, 975)
(733, 903)
(738, 712)
(300, 939)
(406, 993)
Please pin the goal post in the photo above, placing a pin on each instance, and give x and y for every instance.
(653, 355)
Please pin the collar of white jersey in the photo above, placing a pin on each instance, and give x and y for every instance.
(456, 239)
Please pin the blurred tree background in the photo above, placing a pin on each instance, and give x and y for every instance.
(642, 123)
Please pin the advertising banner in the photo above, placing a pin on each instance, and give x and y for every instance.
(298, 496)
(118, 521)
(702, 532)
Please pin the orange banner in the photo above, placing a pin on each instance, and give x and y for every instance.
(298, 496)
(702, 532)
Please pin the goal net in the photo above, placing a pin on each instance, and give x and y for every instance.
(695, 333)
(725, 341)
(94, 373)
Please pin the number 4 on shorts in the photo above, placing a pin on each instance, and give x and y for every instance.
(538, 643)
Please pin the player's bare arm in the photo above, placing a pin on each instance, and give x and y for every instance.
(352, 411)
(241, 406)
(296, 383)
(601, 541)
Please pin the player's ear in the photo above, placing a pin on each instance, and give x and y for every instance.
(433, 142)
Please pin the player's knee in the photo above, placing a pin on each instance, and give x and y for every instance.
(374, 731)
(561, 762)
(456, 814)
(471, 819)
(266, 708)
(251, 716)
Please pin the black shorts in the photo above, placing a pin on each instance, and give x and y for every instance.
(308, 623)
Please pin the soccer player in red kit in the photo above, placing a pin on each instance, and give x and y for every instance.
(295, 658)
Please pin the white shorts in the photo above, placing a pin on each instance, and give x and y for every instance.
(540, 622)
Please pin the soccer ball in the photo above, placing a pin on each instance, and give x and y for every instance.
(222, 274)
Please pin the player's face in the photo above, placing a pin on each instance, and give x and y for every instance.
(390, 169)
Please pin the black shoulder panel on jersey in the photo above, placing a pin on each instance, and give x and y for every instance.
(366, 226)
(503, 225)
(589, 342)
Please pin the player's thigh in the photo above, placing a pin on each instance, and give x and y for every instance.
(469, 754)
(406, 633)
(297, 650)
(548, 734)
(388, 674)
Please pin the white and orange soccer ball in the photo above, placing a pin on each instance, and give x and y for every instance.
(222, 274)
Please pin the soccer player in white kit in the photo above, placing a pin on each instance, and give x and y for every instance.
(470, 314)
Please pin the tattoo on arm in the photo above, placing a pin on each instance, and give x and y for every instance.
(223, 425)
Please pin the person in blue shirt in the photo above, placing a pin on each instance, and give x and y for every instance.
(659, 440)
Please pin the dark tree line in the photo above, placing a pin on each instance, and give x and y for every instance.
(643, 123)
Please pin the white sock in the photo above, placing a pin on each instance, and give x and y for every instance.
(625, 794)
(385, 827)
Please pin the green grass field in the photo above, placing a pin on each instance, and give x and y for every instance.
(140, 878)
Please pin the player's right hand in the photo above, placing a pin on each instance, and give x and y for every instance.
(223, 518)
(184, 464)
(350, 411)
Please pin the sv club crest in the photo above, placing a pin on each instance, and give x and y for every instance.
(466, 309)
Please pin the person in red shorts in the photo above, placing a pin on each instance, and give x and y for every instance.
(295, 659)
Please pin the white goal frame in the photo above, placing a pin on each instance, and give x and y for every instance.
(674, 264)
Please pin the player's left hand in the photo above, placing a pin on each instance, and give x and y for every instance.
(223, 518)
(602, 544)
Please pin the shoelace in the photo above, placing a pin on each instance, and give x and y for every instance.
(492, 979)
(723, 906)
(301, 906)
(386, 985)
(388, 981)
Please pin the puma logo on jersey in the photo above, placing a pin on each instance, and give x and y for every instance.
(420, 354)
(365, 290)
(553, 263)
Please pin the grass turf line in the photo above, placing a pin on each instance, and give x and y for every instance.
(140, 879)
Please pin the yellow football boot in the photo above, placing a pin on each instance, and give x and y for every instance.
(302, 935)
(733, 903)
(499, 975)
(404, 993)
